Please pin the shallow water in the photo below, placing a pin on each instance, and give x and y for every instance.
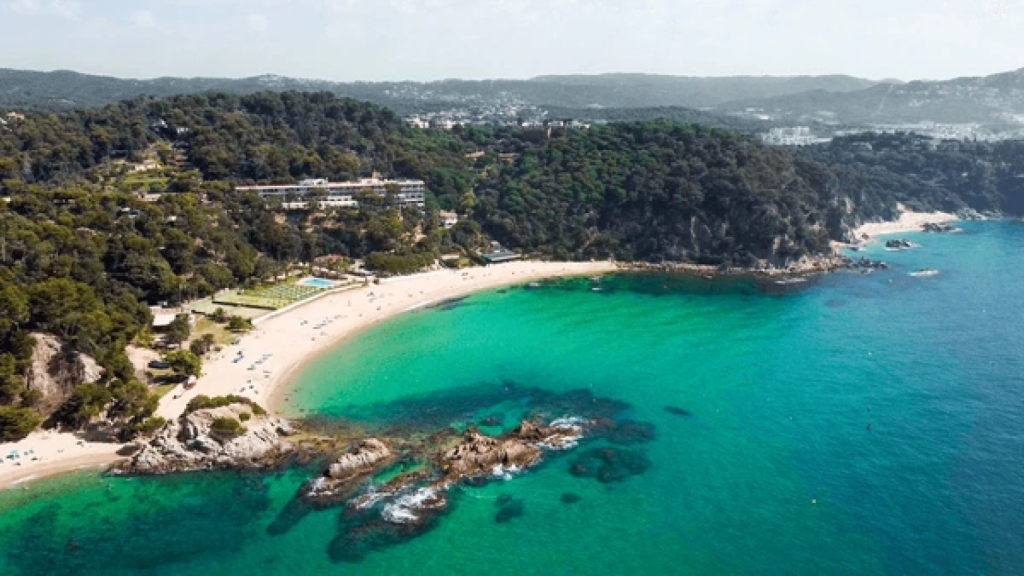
(855, 424)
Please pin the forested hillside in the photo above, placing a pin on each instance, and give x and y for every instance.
(107, 210)
(928, 174)
(657, 191)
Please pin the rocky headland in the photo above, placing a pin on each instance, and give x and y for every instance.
(397, 482)
(232, 436)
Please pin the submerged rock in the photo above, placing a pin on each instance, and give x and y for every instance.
(363, 530)
(194, 442)
(510, 510)
(570, 498)
(629, 432)
(676, 411)
(609, 464)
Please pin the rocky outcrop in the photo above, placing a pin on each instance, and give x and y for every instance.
(367, 454)
(899, 244)
(346, 471)
(55, 371)
(481, 455)
(938, 228)
(804, 266)
(865, 265)
(478, 455)
(194, 442)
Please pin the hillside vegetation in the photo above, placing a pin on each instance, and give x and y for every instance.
(86, 242)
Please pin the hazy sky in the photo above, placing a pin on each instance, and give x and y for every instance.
(431, 39)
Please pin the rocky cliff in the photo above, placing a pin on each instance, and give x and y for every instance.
(199, 441)
(56, 370)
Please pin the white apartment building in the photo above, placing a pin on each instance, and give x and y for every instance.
(342, 194)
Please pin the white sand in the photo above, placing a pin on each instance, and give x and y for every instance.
(52, 453)
(908, 222)
(290, 342)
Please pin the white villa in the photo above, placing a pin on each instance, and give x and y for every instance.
(342, 194)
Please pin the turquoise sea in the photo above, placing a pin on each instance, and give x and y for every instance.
(855, 424)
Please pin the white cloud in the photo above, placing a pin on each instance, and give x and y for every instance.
(144, 19)
(257, 22)
(64, 8)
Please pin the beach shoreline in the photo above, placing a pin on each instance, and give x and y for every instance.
(907, 222)
(282, 343)
(45, 453)
(292, 339)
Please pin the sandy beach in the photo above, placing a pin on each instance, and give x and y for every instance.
(46, 453)
(280, 344)
(908, 222)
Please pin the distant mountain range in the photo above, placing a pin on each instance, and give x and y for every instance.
(836, 100)
(65, 90)
(989, 100)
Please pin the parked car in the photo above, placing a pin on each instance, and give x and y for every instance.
(159, 365)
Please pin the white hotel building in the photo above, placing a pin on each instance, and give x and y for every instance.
(342, 194)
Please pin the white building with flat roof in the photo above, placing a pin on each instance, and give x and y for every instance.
(343, 194)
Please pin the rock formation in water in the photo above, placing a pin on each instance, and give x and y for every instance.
(478, 455)
(938, 228)
(346, 471)
(397, 487)
(214, 438)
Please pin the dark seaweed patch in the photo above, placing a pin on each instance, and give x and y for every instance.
(609, 464)
(361, 532)
(570, 498)
(509, 510)
(449, 304)
(630, 432)
(429, 413)
(213, 517)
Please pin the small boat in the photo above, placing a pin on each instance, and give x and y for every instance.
(925, 273)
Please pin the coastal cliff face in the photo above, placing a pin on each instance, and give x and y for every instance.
(55, 370)
(200, 441)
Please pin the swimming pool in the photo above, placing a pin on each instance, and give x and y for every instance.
(316, 283)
